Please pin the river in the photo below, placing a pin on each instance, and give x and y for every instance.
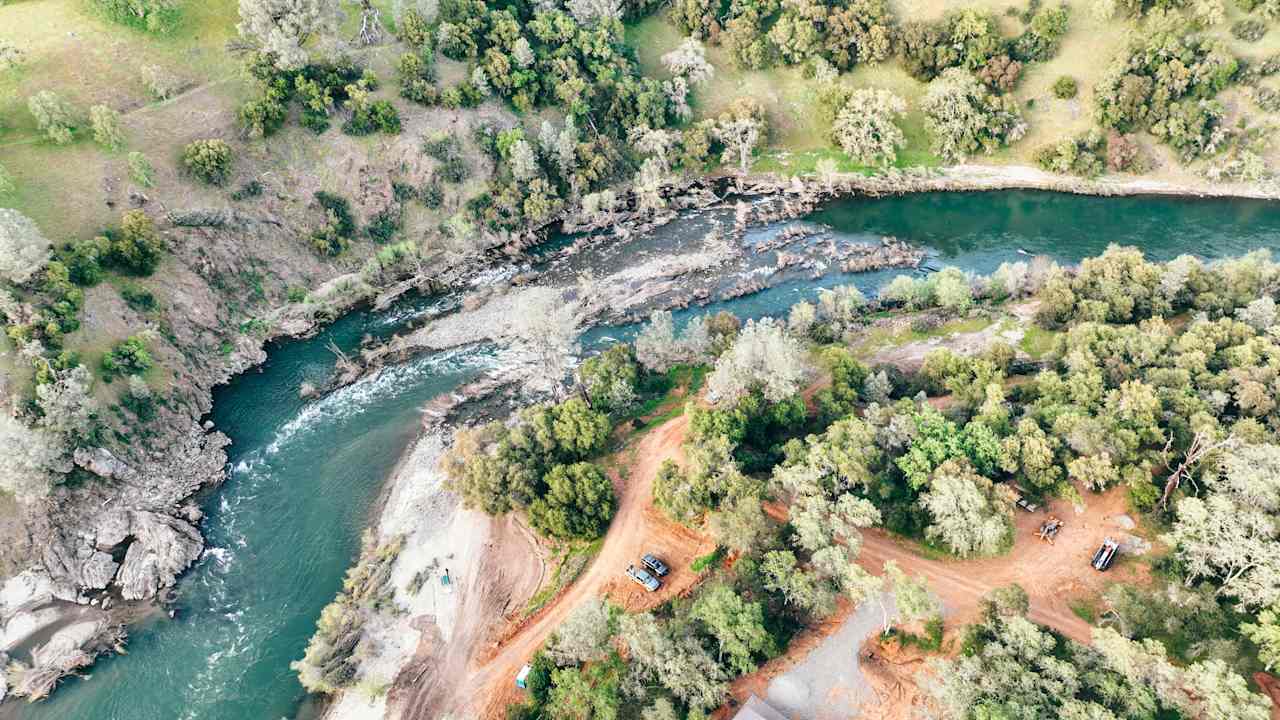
(303, 474)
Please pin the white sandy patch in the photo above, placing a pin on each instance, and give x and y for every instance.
(438, 534)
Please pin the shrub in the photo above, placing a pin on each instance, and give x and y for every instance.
(333, 236)
(414, 29)
(417, 78)
(129, 357)
(84, 259)
(155, 16)
(54, 116)
(136, 247)
(107, 130)
(137, 297)
(1081, 155)
(141, 170)
(162, 83)
(266, 113)
(1000, 73)
(208, 160)
(251, 189)
(432, 194)
(1122, 152)
(1065, 87)
(384, 226)
(1249, 29)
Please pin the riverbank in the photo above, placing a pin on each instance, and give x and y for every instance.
(303, 319)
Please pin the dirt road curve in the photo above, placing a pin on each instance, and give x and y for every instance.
(1051, 574)
(636, 528)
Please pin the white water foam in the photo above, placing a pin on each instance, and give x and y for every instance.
(388, 383)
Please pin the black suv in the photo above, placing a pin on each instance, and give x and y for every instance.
(652, 562)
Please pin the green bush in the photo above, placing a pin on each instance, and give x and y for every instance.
(84, 259)
(137, 297)
(384, 226)
(136, 247)
(1083, 155)
(54, 116)
(208, 160)
(339, 226)
(155, 16)
(432, 194)
(251, 189)
(141, 171)
(129, 357)
(415, 30)
(1065, 87)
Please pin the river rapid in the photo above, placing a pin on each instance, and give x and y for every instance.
(303, 474)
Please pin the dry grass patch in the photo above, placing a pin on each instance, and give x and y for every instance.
(88, 61)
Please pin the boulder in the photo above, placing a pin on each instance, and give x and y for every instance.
(101, 462)
(111, 530)
(98, 571)
(163, 547)
(1134, 545)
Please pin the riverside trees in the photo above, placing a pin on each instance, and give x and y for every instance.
(537, 464)
(1166, 410)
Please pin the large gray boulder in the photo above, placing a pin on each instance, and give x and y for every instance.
(162, 548)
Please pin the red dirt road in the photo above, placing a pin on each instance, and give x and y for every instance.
(637, 528)
(1051, 574)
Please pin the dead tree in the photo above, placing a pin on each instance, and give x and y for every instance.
(370, 23)
(1201, 446)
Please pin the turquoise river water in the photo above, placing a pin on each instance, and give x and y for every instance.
(303, 474)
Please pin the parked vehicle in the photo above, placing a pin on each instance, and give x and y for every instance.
(642, 578)
(655, 565)
(522, 679)
(1105, 555)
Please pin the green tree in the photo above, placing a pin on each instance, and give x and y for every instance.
(54, 116)
(968, 514)
(1265, 634)
(578, 502)
(737, 626)
(1030, 454)
(137, 246)
(611, 379)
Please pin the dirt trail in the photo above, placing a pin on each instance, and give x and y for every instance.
(637, 528)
